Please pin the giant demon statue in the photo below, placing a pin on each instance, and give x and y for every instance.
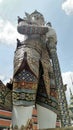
(33, 79)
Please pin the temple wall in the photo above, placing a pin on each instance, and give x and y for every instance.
(5, 119)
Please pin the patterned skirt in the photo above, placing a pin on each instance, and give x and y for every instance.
(33, 81)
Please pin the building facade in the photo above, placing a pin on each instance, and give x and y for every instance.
(5, 106)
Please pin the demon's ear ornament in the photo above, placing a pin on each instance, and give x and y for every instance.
(49, 24)
(20, 19)
(28, 18)
(27, 15)
(18, 43)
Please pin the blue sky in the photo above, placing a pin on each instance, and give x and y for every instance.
(58, 12)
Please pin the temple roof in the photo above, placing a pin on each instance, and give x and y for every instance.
(71, 105)
(1, 83)
(5, 97)
(2, 86)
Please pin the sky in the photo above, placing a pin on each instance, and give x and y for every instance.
(58, 12)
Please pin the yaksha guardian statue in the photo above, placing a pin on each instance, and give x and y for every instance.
(33, 79)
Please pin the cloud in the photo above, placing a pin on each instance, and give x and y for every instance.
(8, 33)
(4, 79)
(1, 1)
(67, 6)
(67, 79)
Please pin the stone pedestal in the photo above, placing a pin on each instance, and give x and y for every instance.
(68, 128)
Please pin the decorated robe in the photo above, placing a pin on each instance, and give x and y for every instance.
(33, 80)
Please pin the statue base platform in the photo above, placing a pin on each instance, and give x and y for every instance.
(67, 128)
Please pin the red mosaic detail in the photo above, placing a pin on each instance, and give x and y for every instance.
(24, 85)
